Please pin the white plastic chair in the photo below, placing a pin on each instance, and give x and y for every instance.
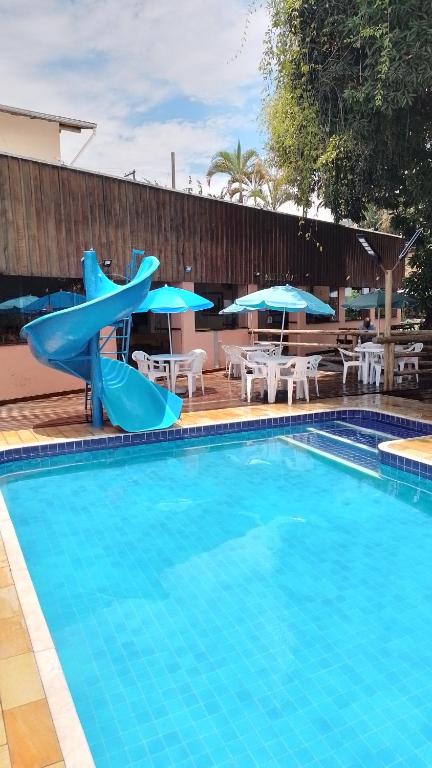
(253, 371)
(232, 355)
(411, 363)
(150, 368)
(191, 369)
(225, 350)
(377, 363)
(350, 360)
(295, 374)
(312, 370)
(228, 350)
(376, 367)
(257, 357)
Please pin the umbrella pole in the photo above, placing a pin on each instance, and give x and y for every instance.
(169, 332)
(388, 348)
(282, 330)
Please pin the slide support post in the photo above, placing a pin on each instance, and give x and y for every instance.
(96, 382)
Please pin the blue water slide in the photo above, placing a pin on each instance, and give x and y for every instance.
(69, 341)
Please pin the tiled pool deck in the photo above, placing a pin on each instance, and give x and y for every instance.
(30, 677)
(28, 738)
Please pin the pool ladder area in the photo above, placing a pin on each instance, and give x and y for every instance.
(346, 443)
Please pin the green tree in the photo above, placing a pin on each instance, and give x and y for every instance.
(349, 109)
(237, 165)
(378, 219)
(418, 281)
(349, 112)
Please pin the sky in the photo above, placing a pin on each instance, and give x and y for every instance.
(155, 75)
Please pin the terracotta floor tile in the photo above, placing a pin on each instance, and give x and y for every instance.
(9, 603)
(14, 638)
(5, 576)
(4, 757)
(31, 736)
(20, 682)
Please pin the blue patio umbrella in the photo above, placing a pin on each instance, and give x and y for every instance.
(234, 309)
(285, 298)
(55, 301)
(376, 300)
(20, 303)
(171, 300)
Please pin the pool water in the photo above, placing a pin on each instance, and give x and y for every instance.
(242, 604)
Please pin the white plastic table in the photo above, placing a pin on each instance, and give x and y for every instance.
(171, 359)
(266, 344)
(272, 363)
(275, 362)
(367, 354)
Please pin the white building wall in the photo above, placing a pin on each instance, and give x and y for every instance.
(29, 137)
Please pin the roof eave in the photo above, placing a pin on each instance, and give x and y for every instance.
(65, 123)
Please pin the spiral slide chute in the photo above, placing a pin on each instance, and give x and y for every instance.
(69, 341)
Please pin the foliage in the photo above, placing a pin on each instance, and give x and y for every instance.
(418, 282)
(349, 108)
(272, 192)
(191, 190)
(253, 183)
(353, 314)
(349, 114)
(378, 219)
(266, 188)
(249, 179)
(237, 165)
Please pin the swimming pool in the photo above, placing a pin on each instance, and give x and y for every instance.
(241, 602)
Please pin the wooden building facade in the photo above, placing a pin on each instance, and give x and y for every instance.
(50, 213)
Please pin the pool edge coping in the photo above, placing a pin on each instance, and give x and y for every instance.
(74, 445)
(67, 724)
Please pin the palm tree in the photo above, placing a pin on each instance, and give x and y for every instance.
(237, 165)
(273, 193)
(267, 189)
(253, 184)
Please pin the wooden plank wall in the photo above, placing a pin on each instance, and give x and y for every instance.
(49, 214)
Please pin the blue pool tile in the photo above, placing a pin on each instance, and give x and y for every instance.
(218, 627)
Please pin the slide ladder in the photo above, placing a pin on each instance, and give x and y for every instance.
(69, 341)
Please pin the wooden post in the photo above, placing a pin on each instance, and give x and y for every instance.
(173, 170)
(388, 348)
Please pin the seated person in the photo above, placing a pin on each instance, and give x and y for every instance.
(366, 326)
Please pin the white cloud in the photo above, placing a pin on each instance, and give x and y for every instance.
(113, 63)
(147, 148)
(123, 52)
